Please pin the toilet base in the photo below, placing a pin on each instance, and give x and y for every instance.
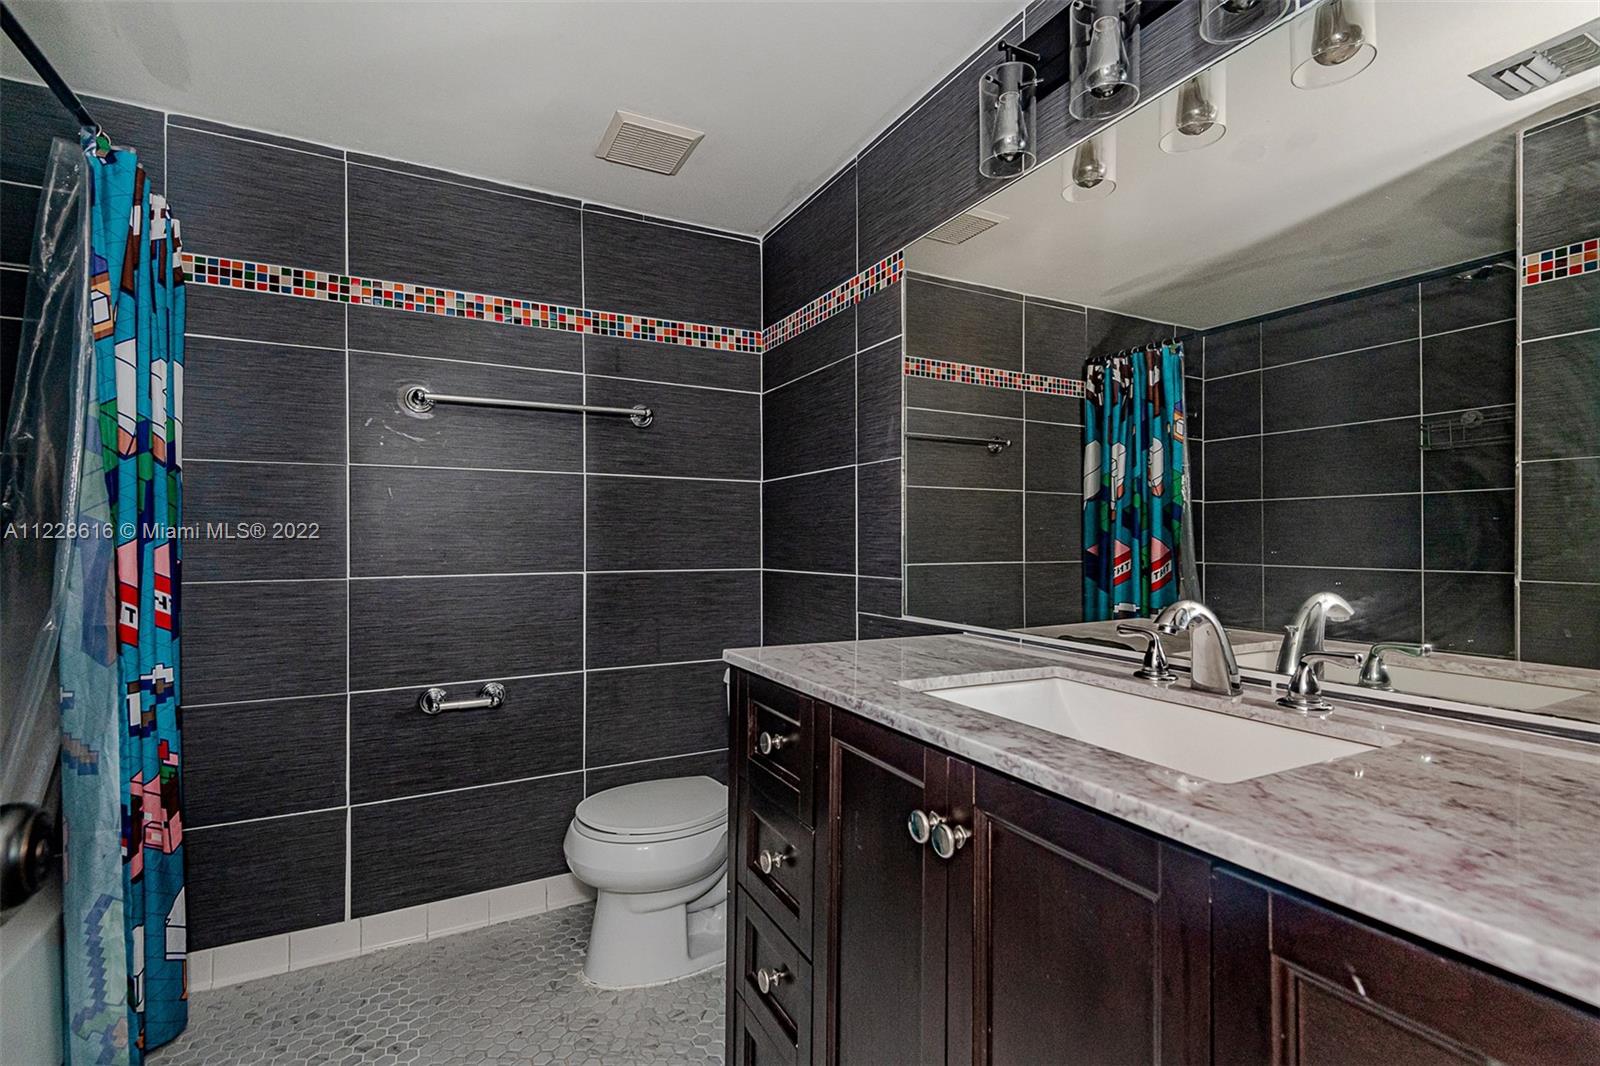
(648, 939)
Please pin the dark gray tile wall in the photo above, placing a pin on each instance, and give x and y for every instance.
(1313, 470)
(1559, 589)
(449, 550)
(830, 434)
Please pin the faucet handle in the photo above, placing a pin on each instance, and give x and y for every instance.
(1375, 674)
(1155, 666)
(1304, 692)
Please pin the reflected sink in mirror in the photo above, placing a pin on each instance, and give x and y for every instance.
(1217, 747)
(1441, 684)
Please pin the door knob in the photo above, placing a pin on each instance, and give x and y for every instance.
(769, 860)
(767, 743)
(948, 839)
(920, 825)
(768, 980)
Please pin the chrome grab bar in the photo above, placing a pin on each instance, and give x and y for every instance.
(433, 700)
(418, 400)
(994, 444)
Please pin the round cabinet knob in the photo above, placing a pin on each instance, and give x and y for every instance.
(767, 743)
(769, 860)
(768, 980)
(949, 839)
(920, 825)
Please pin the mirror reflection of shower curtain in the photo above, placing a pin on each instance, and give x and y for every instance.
(1138, 549)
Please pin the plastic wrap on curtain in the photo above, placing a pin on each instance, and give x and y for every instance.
(1138, 549)
(39, 477)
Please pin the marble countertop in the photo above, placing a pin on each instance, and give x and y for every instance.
(1480, 840)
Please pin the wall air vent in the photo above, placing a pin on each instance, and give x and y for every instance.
(647, 143)
(1560, 57)
(966, 226)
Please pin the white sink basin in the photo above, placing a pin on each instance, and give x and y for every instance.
(1464, 688)
(1205, 744)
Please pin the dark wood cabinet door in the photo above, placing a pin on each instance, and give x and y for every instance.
(884, 908)
(1311, 986)
(1073, 938)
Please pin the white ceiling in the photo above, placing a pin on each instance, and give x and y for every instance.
(521, 92)
(1408, 167)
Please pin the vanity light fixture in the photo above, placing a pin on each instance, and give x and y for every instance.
(1196, 113)
(1227, 21)
(1335, 43)
(1091, 169)
(1006, 145)
(1104, 37)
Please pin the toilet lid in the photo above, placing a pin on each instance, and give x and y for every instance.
(651, 808)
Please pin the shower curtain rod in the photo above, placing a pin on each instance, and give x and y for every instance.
(55, 81)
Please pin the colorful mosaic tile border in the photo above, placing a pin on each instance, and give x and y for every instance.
(990, 377)
(1558, 263)
(882, 274)
(454, 303)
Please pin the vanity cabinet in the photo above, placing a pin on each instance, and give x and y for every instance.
(1032, 930)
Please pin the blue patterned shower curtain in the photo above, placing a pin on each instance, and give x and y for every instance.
(1135, 484)
(123, 895)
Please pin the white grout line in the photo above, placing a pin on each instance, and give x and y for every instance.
(349, 507)
(583, 554)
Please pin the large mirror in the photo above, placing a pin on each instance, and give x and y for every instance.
(1320, 291)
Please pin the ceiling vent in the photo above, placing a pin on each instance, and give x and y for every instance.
(1561, 57)
(966, 226)
(647, 143)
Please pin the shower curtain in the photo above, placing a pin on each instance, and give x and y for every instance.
(123, 892)
(1137, 547)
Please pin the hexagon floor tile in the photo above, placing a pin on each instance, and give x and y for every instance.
(511, 993)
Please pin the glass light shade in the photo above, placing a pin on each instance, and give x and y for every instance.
(1226, 21)
(1334, 42)
(1091, 169)
(1104, 61)
(1006, 145)
(1195, 114)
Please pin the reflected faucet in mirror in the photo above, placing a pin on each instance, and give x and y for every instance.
(1374, 674)
(1212, 667)
(1305, 634)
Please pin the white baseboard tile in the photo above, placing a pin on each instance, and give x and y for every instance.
(325, 943)
(200, 970)
(249, 959)
(566, 891)
(393, 928)
(457, 915)
(303, 948)
(518, 901)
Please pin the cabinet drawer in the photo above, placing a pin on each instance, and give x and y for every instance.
(779, 741)
(776, 864)
(753, 1043)
(784, 1005)
(1345, 982)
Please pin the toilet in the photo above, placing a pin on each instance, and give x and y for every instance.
(656, 854)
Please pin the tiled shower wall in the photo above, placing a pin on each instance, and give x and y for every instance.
(1314, 477)
(996, 540)
(596, 569)
(1560, 319)
(831, 401)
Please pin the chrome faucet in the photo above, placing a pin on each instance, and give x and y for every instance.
(1305, 634)
(1212, 667)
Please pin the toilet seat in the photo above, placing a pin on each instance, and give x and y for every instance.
(654, 811)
